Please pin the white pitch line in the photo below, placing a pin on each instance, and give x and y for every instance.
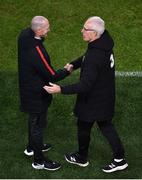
(128, 73)
(123, 73)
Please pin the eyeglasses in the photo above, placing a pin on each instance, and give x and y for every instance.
(88, 29)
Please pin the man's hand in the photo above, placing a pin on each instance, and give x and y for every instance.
(53, 88)
(69, 67)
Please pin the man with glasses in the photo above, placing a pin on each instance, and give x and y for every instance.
(35, 71)
(95, 95)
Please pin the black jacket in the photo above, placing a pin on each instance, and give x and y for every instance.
(35, 71)
(96, 88)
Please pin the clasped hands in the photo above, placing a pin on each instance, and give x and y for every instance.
(54, 88)
(69, 67)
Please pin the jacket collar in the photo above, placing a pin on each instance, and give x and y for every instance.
(105, 42)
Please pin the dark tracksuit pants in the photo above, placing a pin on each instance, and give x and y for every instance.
(37, 123)
(109, 132)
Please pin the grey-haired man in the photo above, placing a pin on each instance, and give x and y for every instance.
(35, 71)
(95, 95)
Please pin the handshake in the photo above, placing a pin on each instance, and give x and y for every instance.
(54, 88)
(69, 67)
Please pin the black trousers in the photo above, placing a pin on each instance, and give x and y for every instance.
(36, 123)
(109, 132)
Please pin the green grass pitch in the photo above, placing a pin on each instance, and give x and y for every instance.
(124, 21)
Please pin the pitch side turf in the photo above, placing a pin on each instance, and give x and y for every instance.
(123, 20)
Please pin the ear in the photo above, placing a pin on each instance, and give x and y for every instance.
(38, 32)
(95, 34)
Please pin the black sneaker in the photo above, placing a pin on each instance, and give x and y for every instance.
(115, 166)
(30, 152)
(46, 164)
(75, 158)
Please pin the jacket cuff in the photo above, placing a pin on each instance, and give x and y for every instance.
(63, 90)
(67, 72)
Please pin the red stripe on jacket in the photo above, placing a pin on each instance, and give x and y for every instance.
(44, 61)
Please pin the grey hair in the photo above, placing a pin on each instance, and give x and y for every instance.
(98, 25)
(38, 22)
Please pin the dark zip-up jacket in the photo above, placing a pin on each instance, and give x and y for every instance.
(35, 71)
(96, 88)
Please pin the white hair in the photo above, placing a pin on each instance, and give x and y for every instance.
(98, 25)
(38, 22)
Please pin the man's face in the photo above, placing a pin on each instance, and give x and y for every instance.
(45, 29)
(88, 33)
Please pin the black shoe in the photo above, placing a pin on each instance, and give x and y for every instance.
(115, 166)
(75, 158)
(30, 152)
(46, 164)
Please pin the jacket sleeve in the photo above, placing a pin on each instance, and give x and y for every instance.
(44, 68)
(77, 63)
(88, 77)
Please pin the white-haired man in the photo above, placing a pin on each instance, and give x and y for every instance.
(35, 70)
(95, 94)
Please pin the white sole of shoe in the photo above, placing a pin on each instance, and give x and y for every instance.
(27, 153)
(32, 153)
(119, 168)
(79, 164)
(38, 167)
(42, 167)
(46, 149)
